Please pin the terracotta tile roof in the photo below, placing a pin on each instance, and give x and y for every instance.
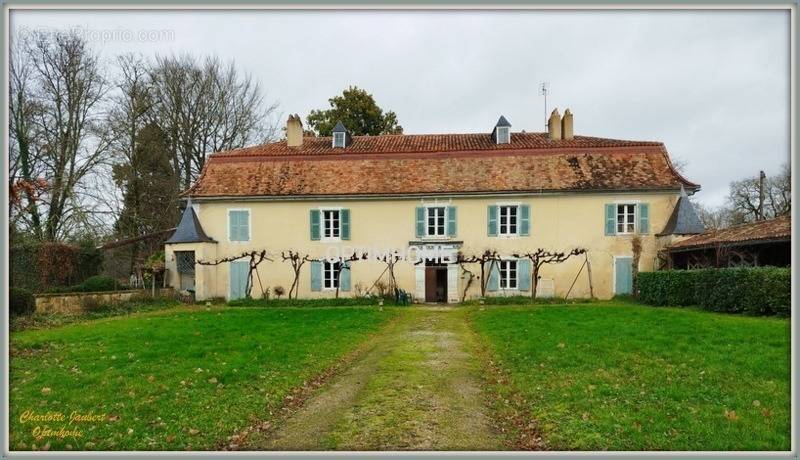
(431, 164)
(778, 229)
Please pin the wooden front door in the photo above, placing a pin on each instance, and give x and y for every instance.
(430, 284)
(436, 283)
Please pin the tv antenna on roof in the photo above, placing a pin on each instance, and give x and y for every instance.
(543, 88)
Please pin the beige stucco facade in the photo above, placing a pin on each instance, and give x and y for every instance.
(558, 222)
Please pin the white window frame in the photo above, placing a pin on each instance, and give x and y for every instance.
(322, 236)
(342, 137)
(428, 209)
(634, 215)
(507, 131)
(249, 226)
(504, 272)
(507, 234)
(330, 276)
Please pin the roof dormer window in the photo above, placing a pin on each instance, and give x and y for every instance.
(503, 136)
(338, 140)
(502, 131)
(341, 138)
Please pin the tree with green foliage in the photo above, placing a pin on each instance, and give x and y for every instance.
(149, 186)
(359, 113)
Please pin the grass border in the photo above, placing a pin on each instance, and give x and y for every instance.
(297, 396)
(505, 402)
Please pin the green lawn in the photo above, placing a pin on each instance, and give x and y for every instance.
(179, 379)
(628, 377)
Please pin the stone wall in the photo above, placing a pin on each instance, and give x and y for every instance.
(73, 302)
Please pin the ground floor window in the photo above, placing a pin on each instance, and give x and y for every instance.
(508, 274)
(330, 274)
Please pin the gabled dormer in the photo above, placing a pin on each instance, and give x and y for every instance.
(501, 134)
(340, 137)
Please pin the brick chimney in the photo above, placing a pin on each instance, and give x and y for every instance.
(554, 125)
(566, 125)
(294, 131)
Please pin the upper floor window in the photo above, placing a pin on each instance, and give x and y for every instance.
(436, 220)
(626, 218)
(239, 225)
(503, 135)
(339, 140)
(330, 274)
(508, 220)
(508, 274)
(331, 224)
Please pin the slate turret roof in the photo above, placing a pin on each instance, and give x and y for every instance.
(189, 229)
(684, 219)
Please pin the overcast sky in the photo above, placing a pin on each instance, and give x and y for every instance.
(713, 86)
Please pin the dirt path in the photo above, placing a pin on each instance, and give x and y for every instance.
(417, 388)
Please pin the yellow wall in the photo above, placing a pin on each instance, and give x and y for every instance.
(558, 222)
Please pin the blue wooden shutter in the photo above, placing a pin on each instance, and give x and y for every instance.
(493, 283)
(451, 221)
(524, 274)
(611, 219)
(524, 220)
(644, 218)
(244, 225)
(238, 225)
(420, 221)
(237, 279)
(492, 220)
(344, 218)
(623, 270)
(314, 219)
(344, 278)
(316, 275)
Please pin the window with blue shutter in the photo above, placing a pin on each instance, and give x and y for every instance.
(491, 219)
(420, 221)
(524, 220)
(316, 275)
(344, 278)
(314, 224)
(524, 274)
(345, 223)
(493, 283)
(239, 271)
(451, 221)
(611, 219)
(644, 218)
(239, 225)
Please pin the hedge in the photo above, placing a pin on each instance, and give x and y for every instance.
(753, 290)
(21, 302)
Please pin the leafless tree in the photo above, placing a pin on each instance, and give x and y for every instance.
(57, 129)
(205, 106)
(759, 198)
(542, 256)
(25, 165)
(254, 258)
(486, 260)
(297, 261)
(636, 249)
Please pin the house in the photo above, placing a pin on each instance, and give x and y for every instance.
(509, 192)
(765, 242)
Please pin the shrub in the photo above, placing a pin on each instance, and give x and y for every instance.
(278, 291)
(92, 305)
(752, 290)
(21, 302)
(97, 283)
